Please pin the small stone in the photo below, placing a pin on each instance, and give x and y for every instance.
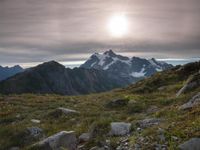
(149, 122)
(84, 137)
(67, 111)
(35, 131)
(35, 121)
(18, 116)
(175, 138)
(152, 109)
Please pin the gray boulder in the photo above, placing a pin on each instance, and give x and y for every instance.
(63, 139)
(120, 128)
(191, 103)
(192, 144)
(84, 137)
(149, 122)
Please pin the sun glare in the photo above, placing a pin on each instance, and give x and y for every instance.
(118, 25)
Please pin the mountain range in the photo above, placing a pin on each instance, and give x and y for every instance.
(130, 69)
(6, 72)
(101, 72)
(52, 77)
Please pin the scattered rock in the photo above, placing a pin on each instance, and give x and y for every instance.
(84, 137)
(152, 109)
(120, 128)
(162, 88)
(192, 102)
(123, 144)
(67, 111)
(35, 121)
(149, 122)
(161, 147)
(137, 147)
(57, 141)
(35, 131)
(161, 135)
(18, 116)
(117, 103)
(192, 144)
(175, 138)
(132, 102)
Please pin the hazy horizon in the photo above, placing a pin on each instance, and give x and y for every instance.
(72, 64)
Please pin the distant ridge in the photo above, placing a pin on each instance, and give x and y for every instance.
(6, 72)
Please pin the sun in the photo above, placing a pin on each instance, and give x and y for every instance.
(118, 25)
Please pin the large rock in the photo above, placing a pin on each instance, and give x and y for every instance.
(120, 128)
(191, 103)
(67, 111)
(192, 144)
(149, 122)
(57, 141)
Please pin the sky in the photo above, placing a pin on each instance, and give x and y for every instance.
(69, 31)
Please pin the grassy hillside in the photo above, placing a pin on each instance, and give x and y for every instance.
(16, 112)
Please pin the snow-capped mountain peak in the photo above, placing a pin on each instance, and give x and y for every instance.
(132, 68)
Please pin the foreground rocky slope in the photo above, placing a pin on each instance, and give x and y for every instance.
(146, 116)
(52, 77)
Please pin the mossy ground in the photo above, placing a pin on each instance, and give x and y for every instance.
(16, 112)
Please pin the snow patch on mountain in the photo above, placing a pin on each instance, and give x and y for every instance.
(138, 74)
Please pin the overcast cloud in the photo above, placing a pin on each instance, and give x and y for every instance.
(71, 30)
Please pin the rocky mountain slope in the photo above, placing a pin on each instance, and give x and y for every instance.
(52, 77)
(147, 115)
(6, 72)
(131, 69)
